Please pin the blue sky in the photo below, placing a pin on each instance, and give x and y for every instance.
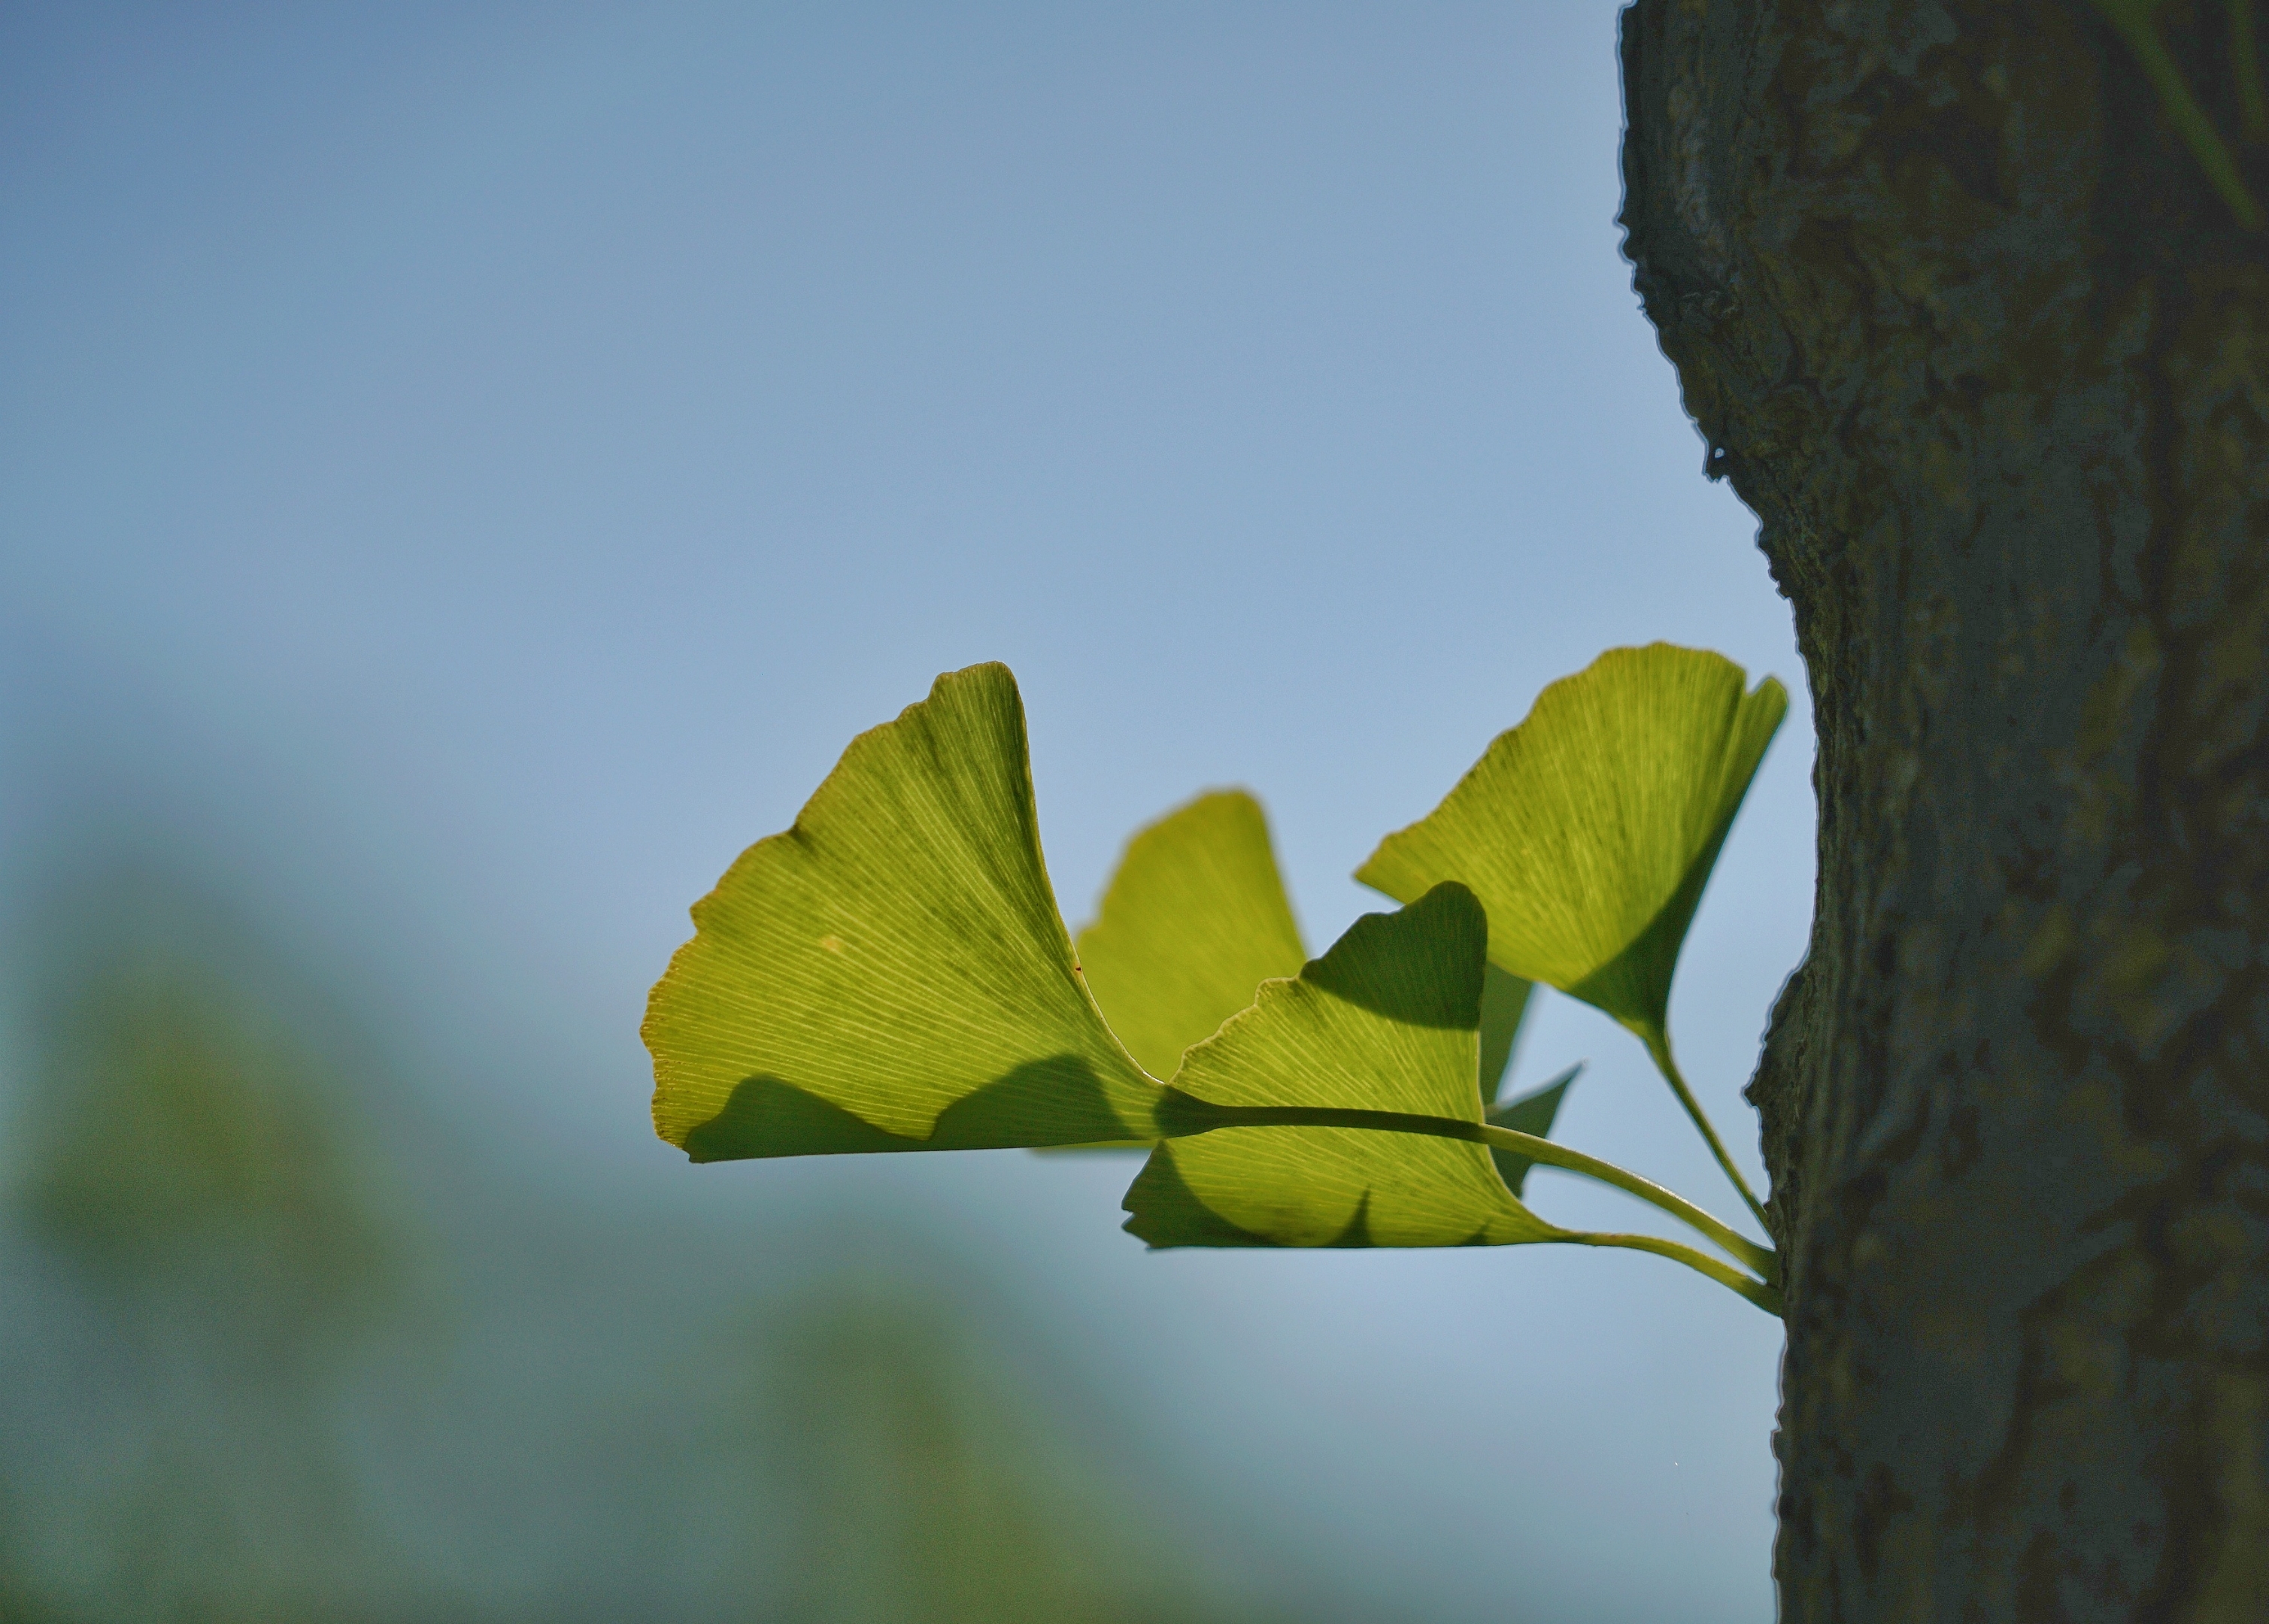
(466, 471)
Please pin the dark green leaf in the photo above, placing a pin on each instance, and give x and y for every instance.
(1531, 1113)
(1504, 1000)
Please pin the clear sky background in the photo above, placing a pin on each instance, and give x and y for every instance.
(465, 472)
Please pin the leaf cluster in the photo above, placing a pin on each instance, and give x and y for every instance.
(893, 974)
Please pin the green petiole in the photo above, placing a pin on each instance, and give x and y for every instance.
(1764, 1260)
(1185, 1115)
(1765, 1295)
(1657, 1045)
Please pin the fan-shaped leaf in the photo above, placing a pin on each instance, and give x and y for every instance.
(1193, 922)
(891, 973)
(1588, 831)
(1388, 1021)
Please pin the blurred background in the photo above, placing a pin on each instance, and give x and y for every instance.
(466, 471)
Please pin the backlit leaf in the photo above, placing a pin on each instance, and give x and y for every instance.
(1193, 922)
(892, 973)
(1589, 830)
(1389, 1020)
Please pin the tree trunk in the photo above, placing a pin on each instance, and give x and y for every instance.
(1970, 329)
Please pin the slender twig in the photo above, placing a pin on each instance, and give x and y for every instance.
(1658, 1045)
(1184, 1115)
(1728, 1239)
(1765, 1296)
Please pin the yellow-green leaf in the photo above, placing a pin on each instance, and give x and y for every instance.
(1193, 922)
(1388, 1020)
(1589, 830)
(892, 972)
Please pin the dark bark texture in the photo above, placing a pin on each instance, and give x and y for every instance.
(1966, 324)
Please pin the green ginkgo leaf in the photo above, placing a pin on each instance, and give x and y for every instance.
(892, 972)
(1194, 920)
(1589, 830)
(1388, 1020)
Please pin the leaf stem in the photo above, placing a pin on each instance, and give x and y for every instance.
(1184, 1114)
(1765, 1295)
(1728, 1240)
(1658, 1045)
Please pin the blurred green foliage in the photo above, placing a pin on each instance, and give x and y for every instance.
(185, 1174)
(919, 1490)
(181, 1138)
(253, 1370)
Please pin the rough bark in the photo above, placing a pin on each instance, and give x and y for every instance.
(1966, 327)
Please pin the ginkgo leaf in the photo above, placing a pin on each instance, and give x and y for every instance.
(892, 973)
(1588, 831)
(1194, 920)
(1504, 1000)
(1388, 1020)
(1531, 1113)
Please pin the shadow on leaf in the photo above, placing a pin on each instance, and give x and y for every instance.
(1056, 1100)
